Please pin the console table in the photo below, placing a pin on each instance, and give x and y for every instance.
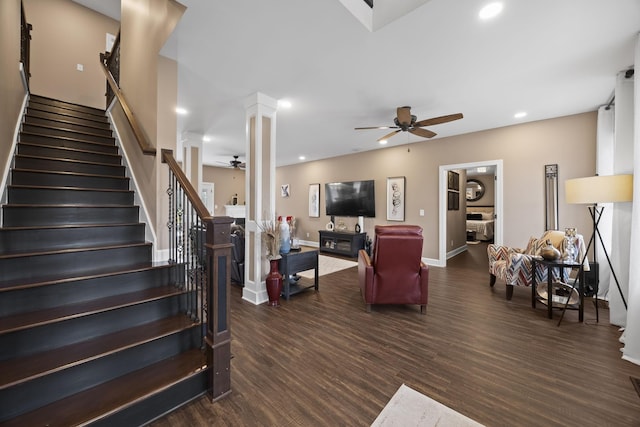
(561, 265)
(342, 242)
(294, 262)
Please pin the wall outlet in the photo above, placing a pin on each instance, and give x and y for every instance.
(421, 212)
(79, 67)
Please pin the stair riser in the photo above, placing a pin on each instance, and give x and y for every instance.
(65, 111)
(159, 404)
(66, 124)
(48, 337)
(66, 153)
(79, 144)
(43, 239)
(50, 388)
(74, 108)
(97, 122)
(68, 196)
(43, 297)
(27, 216)
(35, 268)
(61, 165)
(67, 133)
(19, 177)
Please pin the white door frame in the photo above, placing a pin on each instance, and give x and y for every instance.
(498, 203)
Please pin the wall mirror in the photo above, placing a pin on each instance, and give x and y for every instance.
(475, 190)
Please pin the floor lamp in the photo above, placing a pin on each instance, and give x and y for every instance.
(594, 190)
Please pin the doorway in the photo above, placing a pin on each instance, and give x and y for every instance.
(498, 203)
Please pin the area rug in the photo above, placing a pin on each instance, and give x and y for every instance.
(409, 408)
(327, 265)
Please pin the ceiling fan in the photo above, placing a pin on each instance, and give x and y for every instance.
(235, 163)
(406, 122)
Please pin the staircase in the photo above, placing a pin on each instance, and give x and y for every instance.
(91, 330)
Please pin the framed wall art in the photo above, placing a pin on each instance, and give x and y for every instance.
(285, 190)
(314, 200)
(453, 181)
(395, 198)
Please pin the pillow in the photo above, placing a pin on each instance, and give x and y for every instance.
(475, 216)
(531, 246)
(556, 237)
(487, 215)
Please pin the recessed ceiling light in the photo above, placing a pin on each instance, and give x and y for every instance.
(301, 157)
(283, 103)
(181, 111)
(382, 141)
(490, 10)
(520, 115)
(206, 139)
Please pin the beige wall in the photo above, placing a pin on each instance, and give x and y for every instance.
(66, 34)
(11, 90)
(146, 26)
(525, 149)
(228, 181)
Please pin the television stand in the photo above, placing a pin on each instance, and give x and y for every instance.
(342, 242)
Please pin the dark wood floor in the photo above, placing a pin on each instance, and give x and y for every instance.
(321, 360)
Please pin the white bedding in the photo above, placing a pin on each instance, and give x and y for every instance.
(483, 228)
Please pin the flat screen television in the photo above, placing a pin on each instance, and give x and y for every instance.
(355, 198)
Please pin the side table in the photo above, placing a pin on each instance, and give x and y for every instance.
(562, 266)
(294, 262)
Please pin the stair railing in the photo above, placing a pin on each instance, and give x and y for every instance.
(25, 43)
(114, 61)
(200, 247)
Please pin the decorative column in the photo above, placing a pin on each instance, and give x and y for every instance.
(260, 176)
(192, 159)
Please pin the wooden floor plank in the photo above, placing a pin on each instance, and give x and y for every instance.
(320, 359)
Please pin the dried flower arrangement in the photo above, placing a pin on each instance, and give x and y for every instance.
(271, 233)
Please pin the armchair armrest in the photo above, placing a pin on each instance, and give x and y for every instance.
(365, 274)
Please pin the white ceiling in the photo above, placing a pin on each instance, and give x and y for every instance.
(549, 58)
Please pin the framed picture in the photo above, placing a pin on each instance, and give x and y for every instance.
(395, 198)
(314, 200)
(453, 181)
(285, 190)
(453, 200)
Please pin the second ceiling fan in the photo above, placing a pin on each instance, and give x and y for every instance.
(406, 122)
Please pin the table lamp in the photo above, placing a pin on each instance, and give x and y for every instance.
(594, 190)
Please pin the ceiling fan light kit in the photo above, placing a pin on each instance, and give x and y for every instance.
(407, 122)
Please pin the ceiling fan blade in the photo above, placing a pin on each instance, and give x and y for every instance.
(389, 135)
(425, 133)
(378, 127)
(438, 120)
(404, 115)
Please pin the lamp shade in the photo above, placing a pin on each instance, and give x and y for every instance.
(599, 189)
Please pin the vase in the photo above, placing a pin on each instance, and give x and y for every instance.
(274, 283)
(549, 252)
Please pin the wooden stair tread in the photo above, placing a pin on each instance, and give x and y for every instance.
(34, 144)
(99, 119)
(68, 138)
(72, 311)
(107, 398)
(67, 205)
(65, 129)
(62, 159)
(67, 226)
(61, 121)
(70, 250)
(23, 369)
(96, 273)
(44, 187)
(69, 173)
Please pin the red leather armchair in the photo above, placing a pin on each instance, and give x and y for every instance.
(396, 274)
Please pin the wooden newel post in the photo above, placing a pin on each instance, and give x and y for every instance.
(218, 337)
